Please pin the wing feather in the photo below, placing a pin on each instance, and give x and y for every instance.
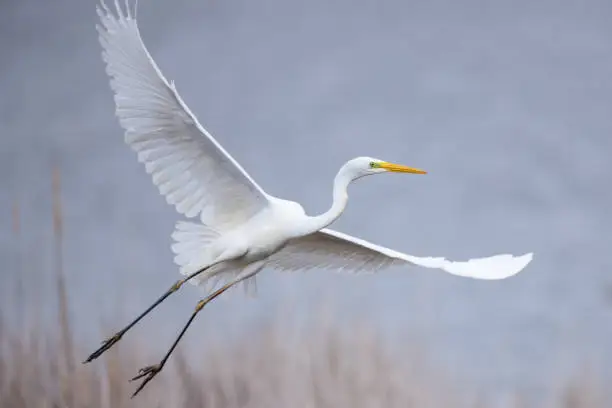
(189, 167)
(329, 249)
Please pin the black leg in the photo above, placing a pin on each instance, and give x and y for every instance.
(107, 344)
(151, 371)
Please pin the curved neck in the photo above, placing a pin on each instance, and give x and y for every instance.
(340, 196)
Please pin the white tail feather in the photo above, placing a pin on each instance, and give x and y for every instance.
(193, 249)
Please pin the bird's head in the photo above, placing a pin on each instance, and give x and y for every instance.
(365, 166)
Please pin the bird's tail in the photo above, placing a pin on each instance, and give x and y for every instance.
(192, 247)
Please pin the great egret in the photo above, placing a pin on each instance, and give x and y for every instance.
(242, 228)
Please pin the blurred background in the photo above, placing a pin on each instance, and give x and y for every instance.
(506, 104)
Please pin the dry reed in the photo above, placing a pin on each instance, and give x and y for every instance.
(320, 366)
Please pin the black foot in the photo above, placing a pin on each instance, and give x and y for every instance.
(106, 344)
(148, 372)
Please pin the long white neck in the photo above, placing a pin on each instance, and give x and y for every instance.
(340, 196)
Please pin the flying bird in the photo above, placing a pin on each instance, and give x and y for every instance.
(241, 228)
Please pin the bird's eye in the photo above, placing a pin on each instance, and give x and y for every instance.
(372, 165)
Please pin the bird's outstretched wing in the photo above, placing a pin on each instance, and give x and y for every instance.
(187, 164)
(328, 249)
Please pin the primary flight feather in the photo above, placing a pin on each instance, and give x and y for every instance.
(241, 228)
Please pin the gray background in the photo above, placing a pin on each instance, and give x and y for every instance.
(506, 104)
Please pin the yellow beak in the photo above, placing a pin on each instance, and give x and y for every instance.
(398, 168)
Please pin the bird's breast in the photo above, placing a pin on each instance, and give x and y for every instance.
(269, 231)
(265, 241)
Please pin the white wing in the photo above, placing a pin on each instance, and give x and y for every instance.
(189, 167)
(328, 249)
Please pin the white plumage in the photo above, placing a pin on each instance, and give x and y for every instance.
(241, 228)
(329, 249)
(189, 167)
(197, 176)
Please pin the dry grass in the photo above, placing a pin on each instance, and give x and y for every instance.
(324, 369)
(321, 365)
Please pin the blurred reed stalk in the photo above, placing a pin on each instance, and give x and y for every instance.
(62, 295)
(17, 298)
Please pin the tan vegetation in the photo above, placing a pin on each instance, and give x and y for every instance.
(325, 365)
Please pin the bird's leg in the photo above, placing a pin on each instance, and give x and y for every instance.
(107, 344)
(151, 371)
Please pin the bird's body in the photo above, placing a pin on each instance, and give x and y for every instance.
(241, 228)
(260, 236)
(269, 231)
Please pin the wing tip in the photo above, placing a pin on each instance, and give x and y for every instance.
(121, 12)
(512, 267)
(496, 267)
(525, 260)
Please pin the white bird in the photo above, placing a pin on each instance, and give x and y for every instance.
(242, 228)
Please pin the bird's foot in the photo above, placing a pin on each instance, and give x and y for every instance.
(106, 344)
(147, 373)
